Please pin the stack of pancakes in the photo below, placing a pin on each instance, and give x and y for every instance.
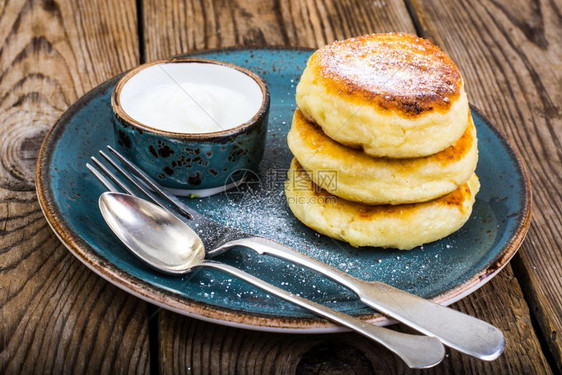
(384, 144)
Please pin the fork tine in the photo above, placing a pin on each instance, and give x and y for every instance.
(156, 187)
(135, 181)
(111, 175)
(108, 185)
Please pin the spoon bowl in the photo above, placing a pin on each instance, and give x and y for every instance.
(153, 234)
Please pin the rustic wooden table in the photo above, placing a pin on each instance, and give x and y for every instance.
(56, 316)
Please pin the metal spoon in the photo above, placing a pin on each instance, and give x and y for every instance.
(169, 245)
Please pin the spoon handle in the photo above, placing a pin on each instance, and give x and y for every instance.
(459, 331)
(417, 351)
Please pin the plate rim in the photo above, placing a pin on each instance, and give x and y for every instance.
(217, 314)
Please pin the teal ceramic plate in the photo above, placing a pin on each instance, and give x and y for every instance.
(443, 271)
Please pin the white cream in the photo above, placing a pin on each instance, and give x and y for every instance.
(191, 107)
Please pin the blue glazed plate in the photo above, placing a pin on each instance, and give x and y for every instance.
(443, 271)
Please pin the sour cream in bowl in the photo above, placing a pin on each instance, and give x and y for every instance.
(192, 124)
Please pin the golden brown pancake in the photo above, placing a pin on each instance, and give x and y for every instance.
(402, 226)
(353, 175)
(393, 95)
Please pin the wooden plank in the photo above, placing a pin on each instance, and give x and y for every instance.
(183, 26)
(511, 55)
(194, 347)
(191, 346)
(56, 316)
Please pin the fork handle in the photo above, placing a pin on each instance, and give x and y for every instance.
(457, 330)
(415, 350)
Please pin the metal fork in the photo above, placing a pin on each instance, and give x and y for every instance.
(457, 330)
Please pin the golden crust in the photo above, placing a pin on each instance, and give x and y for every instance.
(391, 95)
(362, 178)
(402, 226)
(395, 71)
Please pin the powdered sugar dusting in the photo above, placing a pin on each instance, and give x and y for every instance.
(391, 66)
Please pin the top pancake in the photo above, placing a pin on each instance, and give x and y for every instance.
(398, 72)
(394, 95)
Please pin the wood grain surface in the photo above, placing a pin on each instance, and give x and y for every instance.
(184, 26)
(56, 316)
(189, 346)
(511, 55)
